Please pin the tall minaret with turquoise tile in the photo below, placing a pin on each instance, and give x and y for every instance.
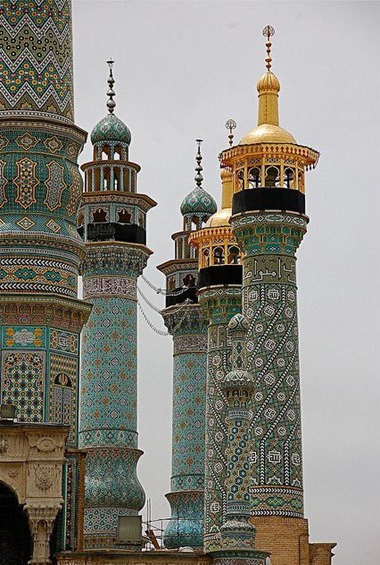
(269, 221)
(185, 321)
(40, 250)
(112, 221)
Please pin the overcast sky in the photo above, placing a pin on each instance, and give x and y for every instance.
(182, 69)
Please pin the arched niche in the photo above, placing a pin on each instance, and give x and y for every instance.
(16, 546)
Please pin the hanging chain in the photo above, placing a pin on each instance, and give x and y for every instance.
(161, 290)
(153, 327)
(148, 301)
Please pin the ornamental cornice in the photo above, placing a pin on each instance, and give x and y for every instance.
(104, 258)
(306, 155)
(245, 219)
(133, 198)
(105, 163)
(25, 309)
(45, 122)
(206, 236)
(41, 239)
(184, 319)
(176, 265)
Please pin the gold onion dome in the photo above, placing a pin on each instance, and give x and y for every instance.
(268, 87)
(220, 219)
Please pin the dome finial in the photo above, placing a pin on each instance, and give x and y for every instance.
(268, 32)
(230, 125)
(198, 177)
(111, 93)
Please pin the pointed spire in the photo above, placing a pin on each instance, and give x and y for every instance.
(268, 31)
(198, 177)
(111, 93)
(268, 87)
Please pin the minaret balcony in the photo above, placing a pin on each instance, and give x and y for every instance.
(179, 295)
(256, 199)
(114, 231)
(220, 275)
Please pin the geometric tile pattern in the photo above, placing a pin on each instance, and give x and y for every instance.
(55, 185)
(218, 305)
(38, 275)
(270, 307)
(112, 489)
(188, 426)
(63, 392)
(26, 182)
(46, 72)
(23, 376)
(108, 415)
(109, 384)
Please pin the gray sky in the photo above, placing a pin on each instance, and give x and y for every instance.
(182, 69)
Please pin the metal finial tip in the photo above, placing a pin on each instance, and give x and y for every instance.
(268, 31)
(110, 93)
(198, 177)
(230, 124)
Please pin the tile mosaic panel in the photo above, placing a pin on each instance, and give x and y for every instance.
(109, 387)
(63, 392)
(23, 383)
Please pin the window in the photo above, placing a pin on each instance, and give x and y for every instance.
(254, 177)
(272, 177)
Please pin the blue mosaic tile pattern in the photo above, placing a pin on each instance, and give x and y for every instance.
(218, 305)
(270, 307)
(109, 379)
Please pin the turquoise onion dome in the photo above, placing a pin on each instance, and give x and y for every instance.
(111, 128)
(198, 202)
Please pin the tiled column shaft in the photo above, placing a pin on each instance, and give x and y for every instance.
(108, 428)
(219, 304)
(269, 242)
(189, 329)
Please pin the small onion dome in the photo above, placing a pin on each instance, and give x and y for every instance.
(198, 202)
(111, 128)
(267, 133)
(220, 219)
(238, 323)
(268, 83)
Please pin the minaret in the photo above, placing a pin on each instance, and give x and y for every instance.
(40, 250)
(268, 219)
(185, 321)
(112, 221)
(219, 294)
(237, 533)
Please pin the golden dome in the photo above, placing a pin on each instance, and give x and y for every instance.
(219, 219)
(268, 83)
(267, 133)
